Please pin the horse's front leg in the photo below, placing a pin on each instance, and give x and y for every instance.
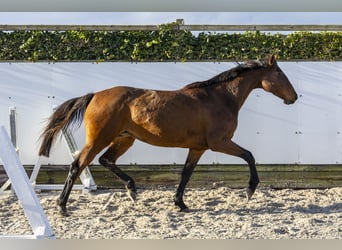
(253, 177)
(190, 164)
(229, 147)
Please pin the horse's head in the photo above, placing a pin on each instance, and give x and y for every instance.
(276, 82)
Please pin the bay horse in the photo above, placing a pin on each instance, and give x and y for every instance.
(200, 116)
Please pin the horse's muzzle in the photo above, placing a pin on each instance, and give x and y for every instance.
(291, 101)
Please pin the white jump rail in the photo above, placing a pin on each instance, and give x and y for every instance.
(23, 189)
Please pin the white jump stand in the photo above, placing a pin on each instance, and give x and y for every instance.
(23, 189)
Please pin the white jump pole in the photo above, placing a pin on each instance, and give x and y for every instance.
(23, 189)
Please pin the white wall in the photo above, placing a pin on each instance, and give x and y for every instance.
(307, 132)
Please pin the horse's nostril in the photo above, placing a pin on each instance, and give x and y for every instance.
(289, 101)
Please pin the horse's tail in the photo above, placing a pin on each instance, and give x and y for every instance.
(68, 113)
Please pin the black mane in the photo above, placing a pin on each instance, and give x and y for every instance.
(229, 74)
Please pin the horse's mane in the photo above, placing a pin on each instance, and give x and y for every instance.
(229, 74)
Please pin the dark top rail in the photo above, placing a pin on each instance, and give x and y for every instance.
(179, 26)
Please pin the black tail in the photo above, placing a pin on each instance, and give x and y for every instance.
(68, 113)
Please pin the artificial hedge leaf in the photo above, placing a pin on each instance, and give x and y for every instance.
(166, 44)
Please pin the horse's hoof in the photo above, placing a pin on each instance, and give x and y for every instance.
(62, 208)
(184, 210)
(64, 212)
(132, 195)
(249, 193)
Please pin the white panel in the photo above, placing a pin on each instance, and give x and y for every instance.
(308, 132)
(319, 107)
(273, 125)
(339, 125)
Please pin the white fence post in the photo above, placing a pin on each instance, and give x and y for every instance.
(23, 189)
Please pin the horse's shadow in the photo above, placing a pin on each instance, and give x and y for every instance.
(211, 206)
(276, 208)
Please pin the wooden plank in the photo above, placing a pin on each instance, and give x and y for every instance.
(253, 27)
(197, 27)
(78, 27)
(277, 176)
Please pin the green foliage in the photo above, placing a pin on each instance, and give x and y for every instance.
(166, 44)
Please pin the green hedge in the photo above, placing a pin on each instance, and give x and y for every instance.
(166, 44)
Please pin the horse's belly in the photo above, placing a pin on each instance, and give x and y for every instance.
(166, 120)
(172, 138)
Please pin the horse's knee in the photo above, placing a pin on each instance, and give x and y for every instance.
(248, 157)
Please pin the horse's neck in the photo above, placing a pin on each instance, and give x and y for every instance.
(241, 87)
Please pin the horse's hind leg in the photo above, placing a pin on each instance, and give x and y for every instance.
(117, 148)
(69, 182)
(77, 166)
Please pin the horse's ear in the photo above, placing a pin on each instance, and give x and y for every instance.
(271, 59)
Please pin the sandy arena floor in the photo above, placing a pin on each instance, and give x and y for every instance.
(217, 213)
